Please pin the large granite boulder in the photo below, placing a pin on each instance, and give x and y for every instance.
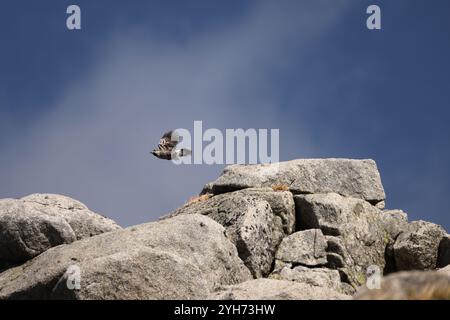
(417, 247)
(395, 222)
(33, 224)
(353, 178)
(306, 248)
(272, 289)
(185, 257)
(319, 277)
(256, 220)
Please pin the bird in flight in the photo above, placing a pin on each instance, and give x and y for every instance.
(166, 147)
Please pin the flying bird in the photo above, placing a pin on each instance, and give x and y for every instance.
(166, 147)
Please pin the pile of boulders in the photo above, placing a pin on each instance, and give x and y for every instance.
(302, 229)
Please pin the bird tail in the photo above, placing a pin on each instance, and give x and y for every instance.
(185, 152)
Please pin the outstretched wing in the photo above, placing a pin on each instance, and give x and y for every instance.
(168, 141)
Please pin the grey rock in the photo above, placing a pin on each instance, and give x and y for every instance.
(409, 285)
(282, 205)
(335, 261)
(33, 224)
(207, 189)
(141, 273)
(335, 245)
(320, 277)
(347, 289)
(395, 222)
(272, 289)
(307, 248)
(355, 178)
(417, 248)
(355, 230)
(185, 257)
(337, 255)
(250, 228)
(256, 220)
(444, 252)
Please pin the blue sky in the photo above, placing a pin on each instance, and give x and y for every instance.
(79, 110)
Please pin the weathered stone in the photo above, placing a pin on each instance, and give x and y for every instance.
(272, 289)
(347, 289)
(444, 252)
(33, 224)
(409, 285)
(395, 222)
(184, 257)
(282, 205)
(337, 255)
(255, 219)
(140, 273)
(355, 178)
(207, 189)
(250, 228)
(335, 261)
(359, 236)
(305, 248)
(321, 277)
(417, 248)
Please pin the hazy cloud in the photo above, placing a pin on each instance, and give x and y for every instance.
(94, 143)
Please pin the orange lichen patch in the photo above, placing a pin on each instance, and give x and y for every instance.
(280, 187)
(199, 198)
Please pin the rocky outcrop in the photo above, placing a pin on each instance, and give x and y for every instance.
(185, 257)
(353, 178)
(270, 289)
(357, 237)
(256, 220)
(302, 229)
(33, 224)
